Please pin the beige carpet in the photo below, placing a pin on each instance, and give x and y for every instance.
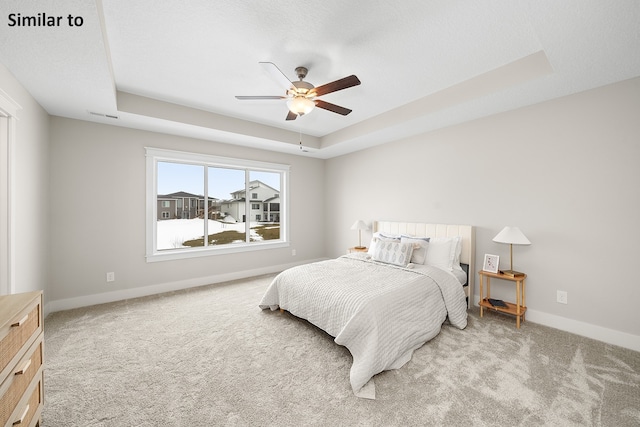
(210, 357)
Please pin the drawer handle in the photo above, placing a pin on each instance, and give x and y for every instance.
(20, 322)
(24, 415)
(24, 368)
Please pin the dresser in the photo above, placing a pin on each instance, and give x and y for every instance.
(21, 359)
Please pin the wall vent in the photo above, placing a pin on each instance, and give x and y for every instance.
(109, 116)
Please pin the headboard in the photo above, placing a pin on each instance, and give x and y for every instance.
(419, 229)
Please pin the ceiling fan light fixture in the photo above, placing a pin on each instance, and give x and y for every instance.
(300, 105)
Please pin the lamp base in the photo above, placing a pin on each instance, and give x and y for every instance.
(511, 273)
(359, 247)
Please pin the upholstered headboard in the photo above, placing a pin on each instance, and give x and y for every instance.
(419, 229)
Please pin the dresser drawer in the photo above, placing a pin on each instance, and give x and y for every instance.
(28, 413)
(19, 329)
(17, 383)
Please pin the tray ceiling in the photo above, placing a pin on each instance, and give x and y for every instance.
(176, 67)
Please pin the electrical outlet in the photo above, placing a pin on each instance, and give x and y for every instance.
(111, 276)
(293, 252)
(562, 297)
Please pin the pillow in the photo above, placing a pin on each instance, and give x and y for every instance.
(456, 259)
(382, 235)
(442, 252)
(420, 247)
(393, 252)
(378, 237)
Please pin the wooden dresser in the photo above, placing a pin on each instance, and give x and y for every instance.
(21, 359)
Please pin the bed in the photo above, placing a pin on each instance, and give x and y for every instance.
(384, 304)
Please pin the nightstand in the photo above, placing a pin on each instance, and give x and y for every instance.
(517, 309)
(357, 249)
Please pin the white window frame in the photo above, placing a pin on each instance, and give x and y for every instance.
(155, 155)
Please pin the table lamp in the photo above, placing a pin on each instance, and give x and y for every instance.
(512, 236)
(359, 225)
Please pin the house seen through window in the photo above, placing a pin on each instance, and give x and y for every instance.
(197, 204)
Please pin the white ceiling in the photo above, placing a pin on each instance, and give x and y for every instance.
(175, 67)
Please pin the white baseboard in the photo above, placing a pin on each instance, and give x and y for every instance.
(119, 295)
(610, 336)
(599, 333)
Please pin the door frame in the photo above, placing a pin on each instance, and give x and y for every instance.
(8, 124)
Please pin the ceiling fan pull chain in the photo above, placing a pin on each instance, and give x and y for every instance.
(300, 131)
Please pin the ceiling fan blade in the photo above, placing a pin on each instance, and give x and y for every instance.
(277, 75)
(337, 85)
(332, 107)
(261, 97)
(292, 116)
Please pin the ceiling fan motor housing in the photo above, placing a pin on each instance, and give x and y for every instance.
(302, 87)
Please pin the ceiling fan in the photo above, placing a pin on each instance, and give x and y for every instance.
(302, 96)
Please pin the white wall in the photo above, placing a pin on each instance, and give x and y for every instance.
(30, 189)
(566, 172)
(98, 215)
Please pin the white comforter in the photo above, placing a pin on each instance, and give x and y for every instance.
(380, 312)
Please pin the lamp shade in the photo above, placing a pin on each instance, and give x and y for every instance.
(359, 225)
(511, 235)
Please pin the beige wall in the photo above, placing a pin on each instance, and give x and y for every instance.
(566, 172)
(98, 215)
(30, 189)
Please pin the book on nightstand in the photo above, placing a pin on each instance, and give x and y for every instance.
(497, 303)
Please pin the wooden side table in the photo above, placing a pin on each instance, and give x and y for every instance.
(357, 249)
(517, 309)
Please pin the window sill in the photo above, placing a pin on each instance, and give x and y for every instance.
(175, 254)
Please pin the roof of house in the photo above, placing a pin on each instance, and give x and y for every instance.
(182, 194)
(255, 184)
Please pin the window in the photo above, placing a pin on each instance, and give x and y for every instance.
(210, 213)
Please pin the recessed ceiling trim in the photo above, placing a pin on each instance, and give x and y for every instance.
(224, 125)
(525, 69)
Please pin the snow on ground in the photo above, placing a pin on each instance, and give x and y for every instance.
(172, 232)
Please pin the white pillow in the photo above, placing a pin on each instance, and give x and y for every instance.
(442, 252)
(414, 237)
(420, 248)
(393, 252)
(456, 259)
